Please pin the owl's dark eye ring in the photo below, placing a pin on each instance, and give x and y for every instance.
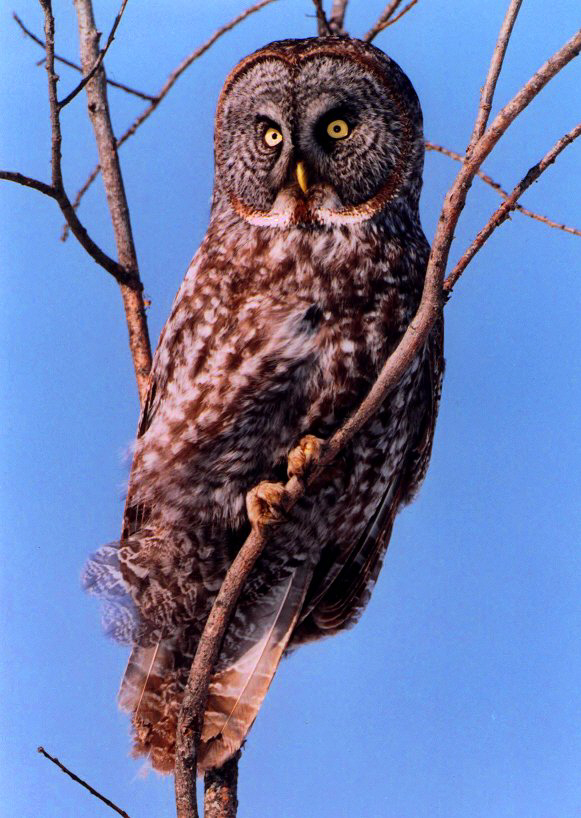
(335, 126)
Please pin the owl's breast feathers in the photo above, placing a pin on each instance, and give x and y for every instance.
(273, 335)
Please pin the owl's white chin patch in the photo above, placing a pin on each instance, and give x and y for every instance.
(321, 206)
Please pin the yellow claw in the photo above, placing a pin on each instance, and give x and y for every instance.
(302, 176)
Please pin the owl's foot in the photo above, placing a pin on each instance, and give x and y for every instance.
(267, 504)
(304, 458)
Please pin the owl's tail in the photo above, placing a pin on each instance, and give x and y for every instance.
(154, 681)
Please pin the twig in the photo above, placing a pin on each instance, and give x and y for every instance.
(323, 28)
(167, 86)
(75, 65)
(101, 56)
(337, 16)
(456, 196)
(27, 181)
(489, 86)
(84, 784)
(415, 337)
(121, 275)
(502, 213)
(431, 146)
(56, 190)
(220, 790)
(387, 19)
(98, 107)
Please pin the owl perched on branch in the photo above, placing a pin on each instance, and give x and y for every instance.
(310, 271)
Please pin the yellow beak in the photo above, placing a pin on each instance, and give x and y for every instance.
(302, 176)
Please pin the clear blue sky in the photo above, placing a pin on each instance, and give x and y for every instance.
(457, 696)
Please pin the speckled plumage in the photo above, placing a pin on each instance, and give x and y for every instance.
(287, 313)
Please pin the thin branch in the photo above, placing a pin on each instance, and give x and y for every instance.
(55, 125)
(28, 181)
(323, 28)
(98, 107)
(84, 784)
(98, 61)
(489, 86)
(79, 231)
(75, 65)
(221, 790)
(337, 16)
(456, 196)
(386, 19)
(431, 146)
(56, 190)
(502, 213)
(410, 346)
(167, 86)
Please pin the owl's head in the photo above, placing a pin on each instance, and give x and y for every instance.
(321, 131)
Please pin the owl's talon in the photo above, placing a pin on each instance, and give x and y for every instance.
(267, 504)
(304, 458)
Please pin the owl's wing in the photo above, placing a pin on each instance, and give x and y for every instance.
(340, 591)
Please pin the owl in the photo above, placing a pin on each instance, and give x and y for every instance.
(309, 274)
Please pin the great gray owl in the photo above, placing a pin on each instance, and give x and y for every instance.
(310, 271)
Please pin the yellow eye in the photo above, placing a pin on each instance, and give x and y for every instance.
(273, 137)
(338, 129)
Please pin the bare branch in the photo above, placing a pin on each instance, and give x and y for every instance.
(75, 65)
(79, 231)
(27, 181)
(323, 28)
(220, 790)
(387, 19)
(84, 784)
(56, 191)
(337, 17)
(502, 213)
(167, 86)
(456, 196)
(431, 146)
(101, 56)
(115, 192)
(489, 87)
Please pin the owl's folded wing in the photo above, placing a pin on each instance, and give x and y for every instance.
(340, 591)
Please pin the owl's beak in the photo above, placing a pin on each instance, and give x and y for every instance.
(302, 178)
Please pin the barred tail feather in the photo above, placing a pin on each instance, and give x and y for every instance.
(236, 692)
(151, 690)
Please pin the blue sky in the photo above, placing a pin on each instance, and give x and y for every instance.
(458, 693)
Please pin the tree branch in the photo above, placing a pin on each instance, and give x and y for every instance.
(79, 231)
(431, 146)
(502, 213)
(337, 17)
(456, 196)
(57, 191)
(98, 107)
(323, 28)
(84, 784)
(220, 790)
(98, 61)
(77, 67)
(167, 86)
(28, 181)
(386, 19)
(489, 86)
